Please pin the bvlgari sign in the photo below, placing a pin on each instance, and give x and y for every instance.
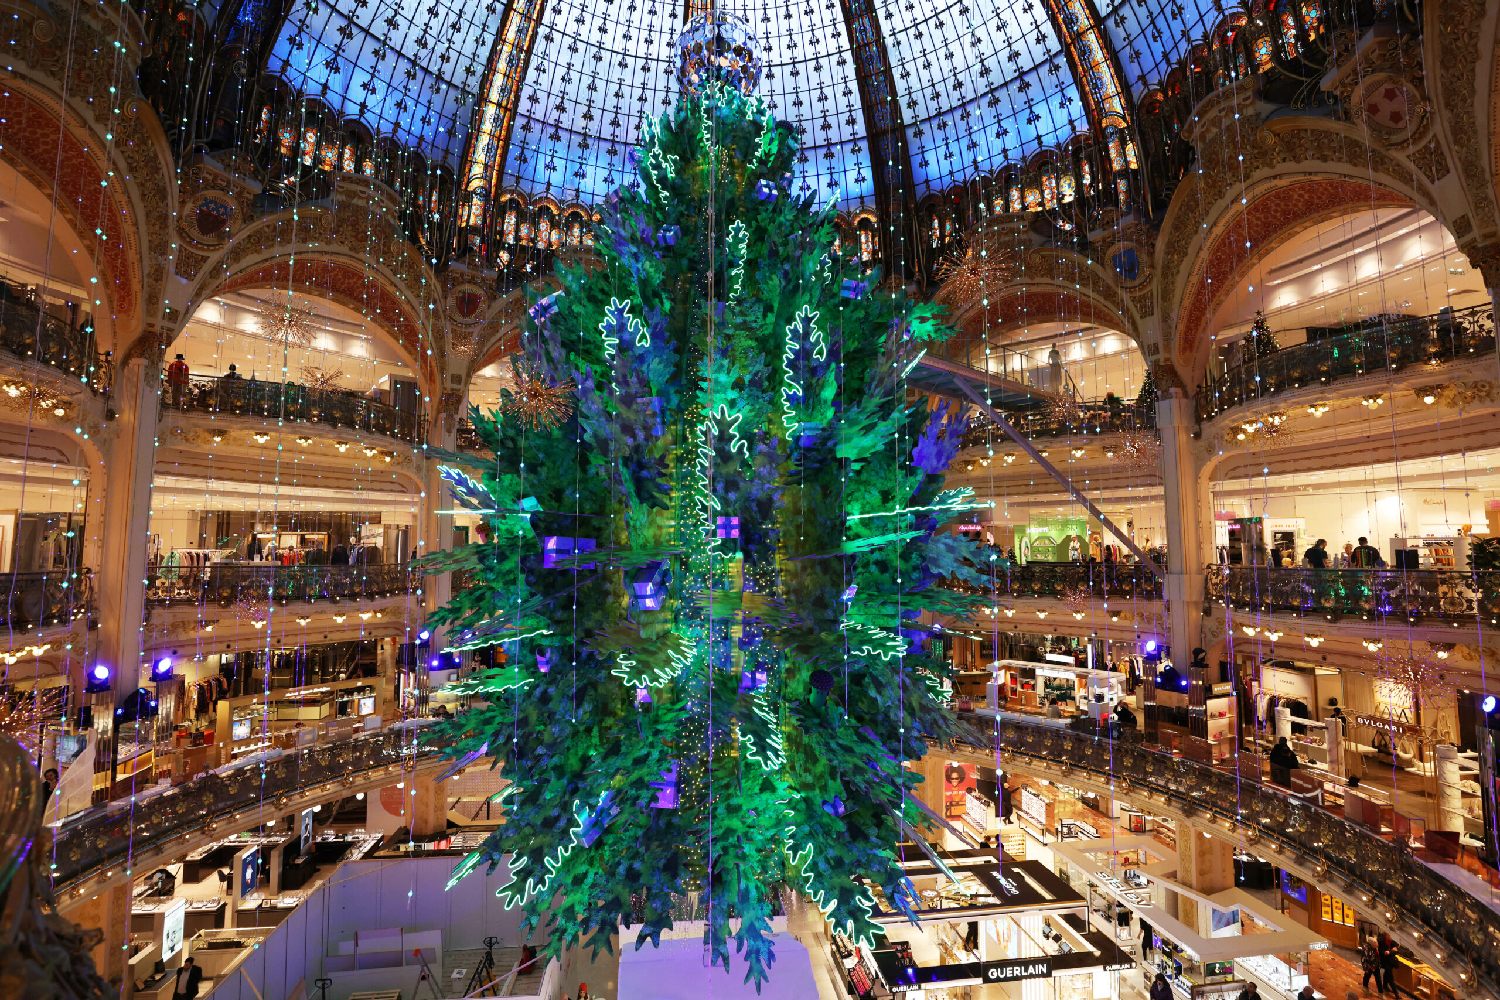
(1015, 969)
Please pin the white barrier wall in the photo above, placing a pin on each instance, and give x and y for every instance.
(370, 897)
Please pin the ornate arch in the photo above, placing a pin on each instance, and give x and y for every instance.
(1461, 45)
(104, 159)
(1295, 172)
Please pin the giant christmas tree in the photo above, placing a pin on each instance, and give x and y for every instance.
(711, 536)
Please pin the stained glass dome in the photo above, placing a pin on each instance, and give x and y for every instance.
(548, 96)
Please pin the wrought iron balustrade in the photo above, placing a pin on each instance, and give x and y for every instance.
(1389, 344)
(293, 402)
(1367, 862)
(44, 598)
(31, 332)
(1067, 581)
(1090, 418)
(228, 583)
(118, 831)
(1403, 595)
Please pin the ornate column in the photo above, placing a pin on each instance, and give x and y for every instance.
(436, 530)
(1205, 863)
(120, 587)
(1189, 519)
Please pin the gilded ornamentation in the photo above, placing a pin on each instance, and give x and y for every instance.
(1456, 395)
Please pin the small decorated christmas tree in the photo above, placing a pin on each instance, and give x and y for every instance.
(1145, 403)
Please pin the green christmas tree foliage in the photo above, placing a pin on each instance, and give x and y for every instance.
(707, 583)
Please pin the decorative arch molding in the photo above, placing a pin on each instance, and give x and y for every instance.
(347, 282)
(350, 252)
(1461, 43)
(1292, 169)
(1246, 235)
(106, 155)
(1044, 285)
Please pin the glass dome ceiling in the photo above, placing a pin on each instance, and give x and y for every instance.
(976, 82)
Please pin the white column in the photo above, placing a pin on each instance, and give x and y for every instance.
(1189, 522)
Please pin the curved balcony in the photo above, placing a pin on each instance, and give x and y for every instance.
(294, 403)
(1067, 581)
(228, 583)
(46, 598)
(126, 830)
(1396, 595)
(1087, 418)
(1384, 870)
(32, 331)
(1388, 343)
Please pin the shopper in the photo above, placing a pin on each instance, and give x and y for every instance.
(177, 380)
(1307, 993)
(1346, 558)
(1366, 556)
(1369, 964)
(1386, 945)
(1124, 717)
(1160, 989)
(1054, 711)
(1146, 936)
(1283, 763)
(49, 783)
(185, 984)
(1316, 557)
(1250, 992)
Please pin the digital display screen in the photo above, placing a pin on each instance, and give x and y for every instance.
(240, 729)
(366, 705)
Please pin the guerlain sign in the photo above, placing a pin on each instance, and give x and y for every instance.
(1016, 969)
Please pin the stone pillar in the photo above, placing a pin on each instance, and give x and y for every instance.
(427, 809)
(120, 588)
(1189, 522)
(1204, 864)
(109, 913)
(436, 530)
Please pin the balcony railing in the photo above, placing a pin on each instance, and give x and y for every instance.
(1404, 595)
(119, 831)
(1068, 581)
(293, 402)
(1090, 418)
(1387, 344)
(226, 584)
(1369, 863)
(32, 331)
(50, 597)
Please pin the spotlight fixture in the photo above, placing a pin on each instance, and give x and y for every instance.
(1249, 629)
(364, 616)
(1441, 649)
(1109, 452)
(1488, 705)
(216, 437)
(1010, 612)
(259, 623)
(1373, 645)
(303, 620)
(304, 440)
(342, 446)
(1078, 616)
(369, 451)
(1041, 614)
(1313, 640)
(1008, 458)
(389, 456)
(1078, 452)
(1273, 634)
(1429, 397)
(99, 678)
(339, 619)
(1373, 400)
(261, 437)
(161, 670)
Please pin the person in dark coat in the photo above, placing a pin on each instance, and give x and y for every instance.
(185, 984)
(1160, 988)
(1386, 946)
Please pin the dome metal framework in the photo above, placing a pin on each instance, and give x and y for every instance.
(895, 98)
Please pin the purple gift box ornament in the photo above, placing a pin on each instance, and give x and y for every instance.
(727, 526)
(666, 789)
(853, 288)
(556, 548)
(667, 236)
(642, 696)
(752, 680)
(835, 807)
(850, 591)
(648, 587)
(765, 191)
(545, 658)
